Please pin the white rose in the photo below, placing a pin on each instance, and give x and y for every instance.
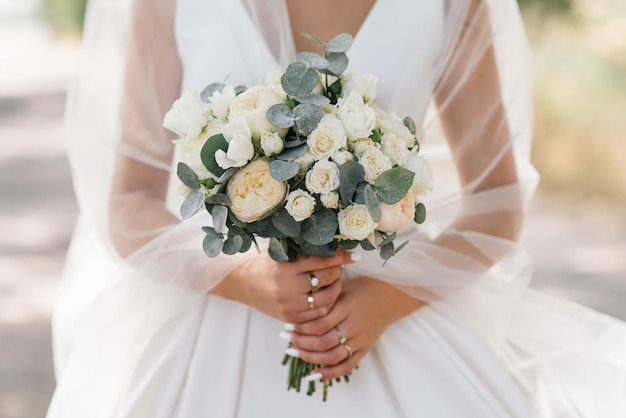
(389, 123)
(300, 205)
(240, 147)
(375, 163)
(253, 105)
(271, 143)
(323, 177)
(359, 146)
(341, 156)
(397, 216)
(327, 138)
(362, 83)
(355, 222)
(305, 161)
(395, 148)
(358, 118)
(219, 102)
(186, 118)
(253, 192)
(423, 180)
(330, 200)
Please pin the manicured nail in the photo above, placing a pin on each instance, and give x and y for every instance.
(312, 377)
(290, 327)
(355, 256)
(285, 336)
(293, 352)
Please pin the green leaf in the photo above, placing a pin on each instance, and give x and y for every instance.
(316, 250)
(388, 239)
(277, 251)
(386, 251)
(299, 79)
(321, 227)
(372, 203)
(213, 242)
(220, 215)
(289, 154)
(208, 91)
(401, 247)
(207, 154)
(187, 176)
(311, 38)
(314, 99)
(218, 199)
(264, 229)
(420, 213)
(281, 115)
(282, 170)
(192, 204)
(376, 135)
(312, 59)
(283, 221)
(340, 43)
(394, 184)
(209, 183)
(367, 245)
(246, 244)
(240, 89)
(307, 116)
(232, 245)
(410, 124)
(349, 244)
(338, 63)
(351, 174)
(334, 91)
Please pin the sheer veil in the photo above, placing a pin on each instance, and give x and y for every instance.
(136, 276)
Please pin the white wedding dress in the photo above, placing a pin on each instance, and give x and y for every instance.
(141, 338)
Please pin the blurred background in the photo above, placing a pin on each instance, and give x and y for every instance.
(576, 228)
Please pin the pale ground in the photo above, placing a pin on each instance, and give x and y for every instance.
(579, 247)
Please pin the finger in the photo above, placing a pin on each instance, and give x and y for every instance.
(325, 276)
(340, 257)
(322, 325)
(331, 357)
(317, 343)
(339, 370)
(301, 311)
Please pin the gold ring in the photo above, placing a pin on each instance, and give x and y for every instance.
(311, 301)
(313, 280)
(342, 339)
(349, 350)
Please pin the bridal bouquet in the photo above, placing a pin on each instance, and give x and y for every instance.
(307, 160)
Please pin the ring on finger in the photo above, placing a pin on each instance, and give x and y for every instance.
(347, 347)
(342, 339)
(311, 301)
(313, 280)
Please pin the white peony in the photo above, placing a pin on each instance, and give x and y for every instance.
(300, 205)
(271, 143)
(272, 80)
(358, 118)
(330, 200)
(362, 83)
(253, 105)
(395, 148)
(323, 177)
(355, 222)
(341, 156)
(240, 147)
(423, 180)
(186, 118)
(219, 102)
(397, 216)
(253, 192)
(327, 138)
(375, 163)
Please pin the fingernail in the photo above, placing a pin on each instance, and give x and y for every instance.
(355, 256)
(293, 352)
(285, 336)
(290, 327)
(312, 377)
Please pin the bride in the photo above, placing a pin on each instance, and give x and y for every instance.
(147, 326)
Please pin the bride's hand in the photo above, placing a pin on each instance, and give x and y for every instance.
(281, 290)
(365, 308)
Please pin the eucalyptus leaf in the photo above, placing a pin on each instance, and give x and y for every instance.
(219, 199)
(394, 184)
(299, 79)
(192, 204)
(367, 245)
(209, 230)
(208, 91)
(292, 143)
(311, 38)
(232, 245)
(246, 243)
(316, 250)
(289, 154)
(281, 115)
(220, 215)
(351, 174)
(401, 247)
(207, 153)
(388, 239)
(420, 213)
(264, 229)
(320, 228)
(348, 244)
(410, 124)
(187, 176)
(277, 251)
(387, 251)
(314, 99)
(338, 63)
(359, 195)
(282, 170)
(285, 223)
(307, 116)
(240, 89)
(212, 245)
(312, 59)
(228, 174)
(340, 43)
(371, 201)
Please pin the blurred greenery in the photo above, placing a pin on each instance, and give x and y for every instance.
(65, 15)
(558, 6)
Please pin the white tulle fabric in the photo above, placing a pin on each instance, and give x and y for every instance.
(138, 335)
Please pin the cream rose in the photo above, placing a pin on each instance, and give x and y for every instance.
(423, 180)
(358, 118)
(219, 102)
(253, 192)
(341, 156)
(355, 222)
(327, 138)
(397, 216)
(362, 83)
(395, 148)
(389, 123)
(330, 200)
(300, 205)
(375, 163)
(360, 145)
(271, 143)
(186, 118)
(323, 177)
(253, 105)
(305, 161)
